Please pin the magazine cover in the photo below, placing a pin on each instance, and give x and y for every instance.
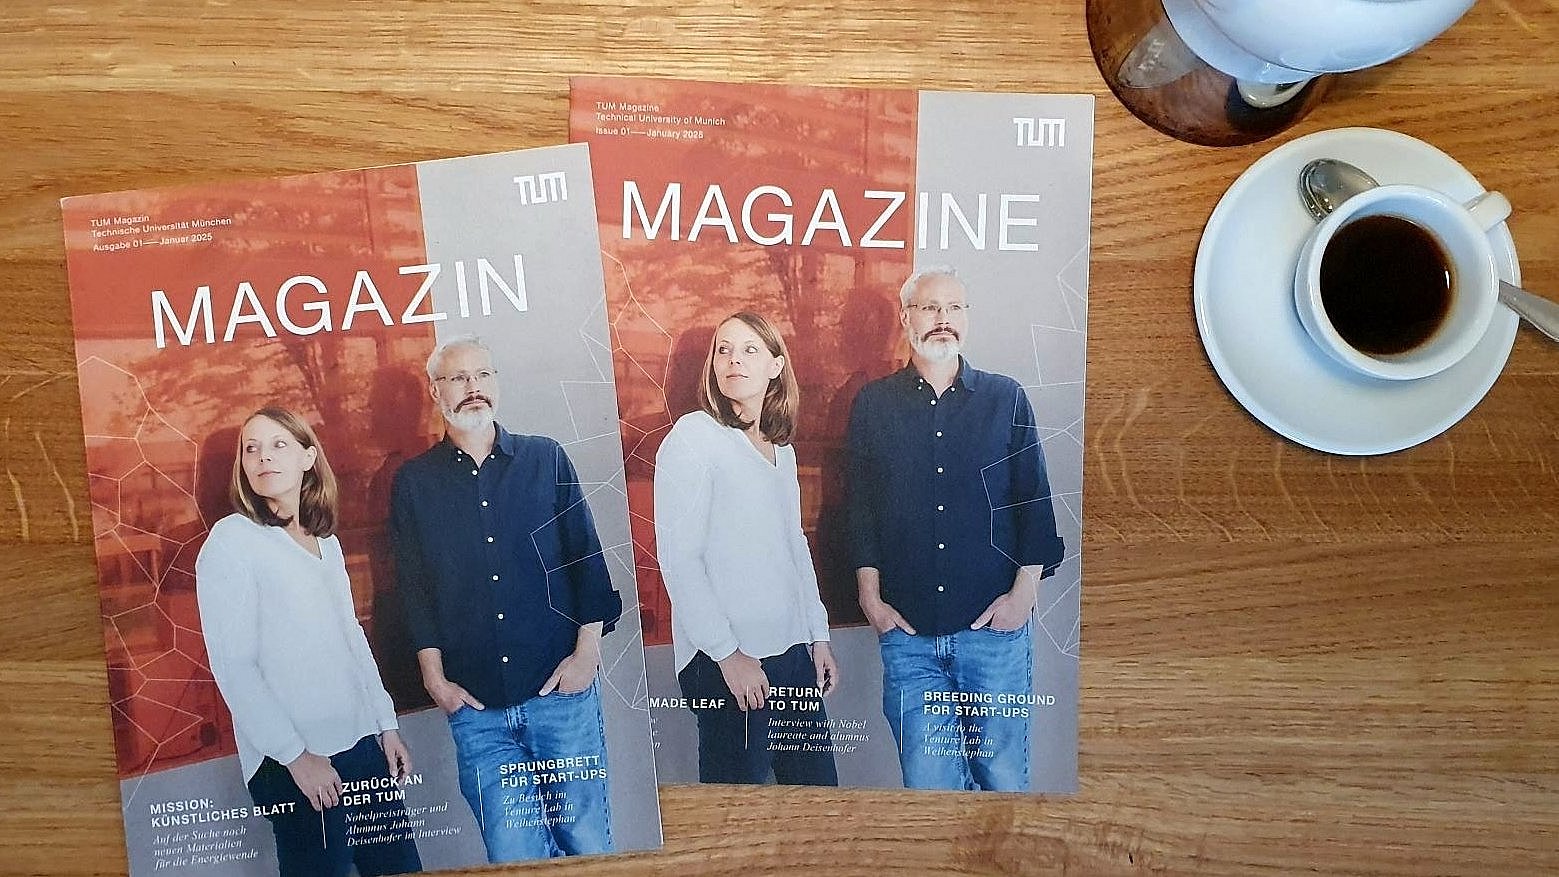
(849, 327)
(358, 505)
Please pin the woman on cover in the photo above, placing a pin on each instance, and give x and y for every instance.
(746, 618)
(309, 711)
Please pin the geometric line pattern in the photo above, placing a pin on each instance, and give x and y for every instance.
(579, 396)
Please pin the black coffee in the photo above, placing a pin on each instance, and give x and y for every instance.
(1386, 284)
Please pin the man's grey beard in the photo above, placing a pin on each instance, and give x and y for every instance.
(940, 349)
(471, 419)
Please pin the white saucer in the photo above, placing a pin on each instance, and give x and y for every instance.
(1245, 305)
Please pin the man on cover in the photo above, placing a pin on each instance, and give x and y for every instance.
(507, 596)
(951, 528)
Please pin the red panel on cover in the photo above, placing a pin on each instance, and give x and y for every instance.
(161, 422)
(666, 297)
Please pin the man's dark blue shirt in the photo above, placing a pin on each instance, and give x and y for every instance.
(498, 563)
(948, 495)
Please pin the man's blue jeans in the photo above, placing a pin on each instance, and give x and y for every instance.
(957, 704)
(535, 775)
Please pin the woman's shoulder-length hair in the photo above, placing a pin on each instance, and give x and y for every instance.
(777, 420)
(319, 496)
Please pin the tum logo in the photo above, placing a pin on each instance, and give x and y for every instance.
(542, 188)
(1040, 132)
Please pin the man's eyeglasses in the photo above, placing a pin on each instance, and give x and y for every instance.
(464, 379)
(952, 310)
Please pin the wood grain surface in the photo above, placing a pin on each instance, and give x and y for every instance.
(1292, 662)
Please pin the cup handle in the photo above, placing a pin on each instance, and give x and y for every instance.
(1488, 209)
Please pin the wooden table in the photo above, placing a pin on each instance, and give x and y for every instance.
(1292, 661)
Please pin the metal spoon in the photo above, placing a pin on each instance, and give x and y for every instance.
(1327, 182)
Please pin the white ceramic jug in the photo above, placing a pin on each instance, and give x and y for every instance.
(1276, 42)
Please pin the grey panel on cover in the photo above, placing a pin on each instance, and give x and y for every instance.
(554, 381)
(1029, 321)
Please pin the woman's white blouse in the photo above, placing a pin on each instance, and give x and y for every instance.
(729, 541)
(285, 646)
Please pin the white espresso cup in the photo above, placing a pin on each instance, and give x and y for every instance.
(1461, 233)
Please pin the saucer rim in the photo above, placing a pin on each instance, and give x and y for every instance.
(1251, 400)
